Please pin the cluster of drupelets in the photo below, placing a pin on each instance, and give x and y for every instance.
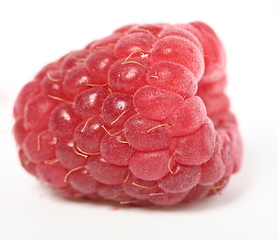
(137, 117)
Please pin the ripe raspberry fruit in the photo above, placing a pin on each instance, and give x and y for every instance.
(137, 117)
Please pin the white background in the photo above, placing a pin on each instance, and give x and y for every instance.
(34, 33)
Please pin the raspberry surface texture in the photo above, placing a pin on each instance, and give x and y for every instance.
(138, 117)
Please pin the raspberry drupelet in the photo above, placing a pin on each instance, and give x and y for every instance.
(138, 117)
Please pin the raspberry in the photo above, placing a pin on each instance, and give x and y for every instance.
(139, 117)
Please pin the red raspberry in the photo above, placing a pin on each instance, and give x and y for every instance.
(137, 117)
